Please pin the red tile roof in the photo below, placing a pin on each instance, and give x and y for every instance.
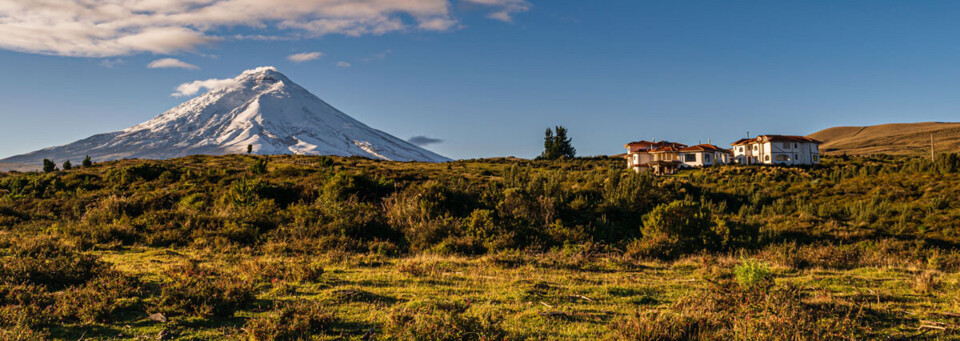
(666, 149)
(703, 148)
(776, 138)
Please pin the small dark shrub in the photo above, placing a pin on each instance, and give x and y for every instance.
(298, 320)
(195, 290)
(441, 321)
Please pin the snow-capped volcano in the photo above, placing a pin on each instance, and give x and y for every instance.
(260, 108)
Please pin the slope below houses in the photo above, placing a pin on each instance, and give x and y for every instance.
(894, 138)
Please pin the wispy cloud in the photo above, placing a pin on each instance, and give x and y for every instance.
(171, 63)
(88, 28)
(378, 56)
(343, 64)
(110, 63)
(424, 140)
(303, 57)
(503, 10)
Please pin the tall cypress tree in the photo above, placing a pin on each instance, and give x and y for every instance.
(549, 148)
(556, 144)
(564, 144)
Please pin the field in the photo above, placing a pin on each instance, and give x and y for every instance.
(895, 138)
(238, 247)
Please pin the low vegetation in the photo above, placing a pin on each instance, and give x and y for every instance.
(297, 247)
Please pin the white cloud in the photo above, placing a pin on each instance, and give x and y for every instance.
(104, 28)
(504, 9)
(192, 88)
(303, 57)
(171, 63)
(342, 64)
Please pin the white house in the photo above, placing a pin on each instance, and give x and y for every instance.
(777, 150)
(703, 155)
(638, 153)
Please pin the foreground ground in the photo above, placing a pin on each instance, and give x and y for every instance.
(556, 296)
(330, 248)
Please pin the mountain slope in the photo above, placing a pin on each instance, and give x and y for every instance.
(261, 108)
(894, 138)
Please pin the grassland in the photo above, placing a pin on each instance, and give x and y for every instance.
(893, 139)
(346, 248)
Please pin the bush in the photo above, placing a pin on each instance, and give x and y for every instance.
(726, 311)
(100, 299)
(753, 274)
(49, 264)
(259, 166)
(290, 321)
(440, 321)
(681, 225)
(194, 290)
(49, 166)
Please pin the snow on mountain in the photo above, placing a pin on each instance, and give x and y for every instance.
(260, 107)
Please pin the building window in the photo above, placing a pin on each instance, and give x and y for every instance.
(816, 158)
(782, 157)
(796, 146)
(786, 145)
(766, 158)
(706, 157)
(689, 157)
(755, 147)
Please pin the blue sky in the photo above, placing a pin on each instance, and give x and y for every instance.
(488, 76)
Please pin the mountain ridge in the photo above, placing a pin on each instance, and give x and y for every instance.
(261, 108)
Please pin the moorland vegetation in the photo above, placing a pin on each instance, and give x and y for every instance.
(300, 247)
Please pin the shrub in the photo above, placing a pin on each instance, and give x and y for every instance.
(259, 166)
(725, 311)
(47, 263)
(682, 225)
(296, 320)
(440, 321)
(100, 299)
(199, 291)
(49, 166)
(752, 274)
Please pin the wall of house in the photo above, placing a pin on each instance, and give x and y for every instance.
(791, 153)
(696, 162)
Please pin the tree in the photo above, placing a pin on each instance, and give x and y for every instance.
(49, 166)
(557, 145)
(87, 162)
(67, 165)
(249, 148)
(563, 143)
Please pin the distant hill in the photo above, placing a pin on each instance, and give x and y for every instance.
(894, 138)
